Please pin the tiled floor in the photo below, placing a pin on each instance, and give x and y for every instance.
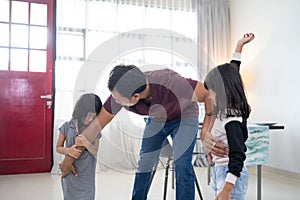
(112, 185)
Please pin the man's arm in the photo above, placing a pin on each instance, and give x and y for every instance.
(91, 147)
(91, 132)
(212, 144)
(103, 118)
(202, 95)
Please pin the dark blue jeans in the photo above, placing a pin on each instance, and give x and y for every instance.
(183, 133)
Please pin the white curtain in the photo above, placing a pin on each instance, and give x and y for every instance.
(94, 36)
(213, 19)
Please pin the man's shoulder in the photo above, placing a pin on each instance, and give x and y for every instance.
(162, 76)
(160, 71)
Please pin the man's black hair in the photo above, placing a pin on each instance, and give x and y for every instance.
(127, 80)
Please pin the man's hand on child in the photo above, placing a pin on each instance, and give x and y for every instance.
(215, 146)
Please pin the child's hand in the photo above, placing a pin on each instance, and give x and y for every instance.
(78, 141)
(73, 152)
(223, 196)
(225, 192)
(248, 37)
(215, 146)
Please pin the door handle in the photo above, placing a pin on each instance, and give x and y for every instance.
(49, 104)
(47, 96)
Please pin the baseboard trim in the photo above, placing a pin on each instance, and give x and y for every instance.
(279, 172)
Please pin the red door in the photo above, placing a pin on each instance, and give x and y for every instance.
(26, 60)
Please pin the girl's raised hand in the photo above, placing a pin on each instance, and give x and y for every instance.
(247, 37)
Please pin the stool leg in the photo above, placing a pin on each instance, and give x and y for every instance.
(208, 174)
(197, 185)
(166, 180)
(173, 179)
(173, 173)
(152, 176)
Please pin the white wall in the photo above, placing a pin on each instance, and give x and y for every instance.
(271, 69)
